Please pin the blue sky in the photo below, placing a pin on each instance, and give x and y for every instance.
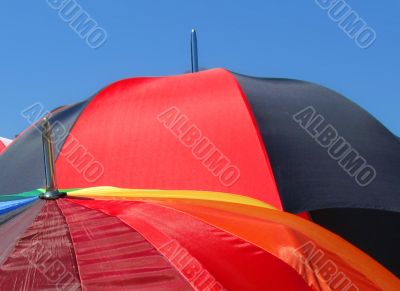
(43, 60)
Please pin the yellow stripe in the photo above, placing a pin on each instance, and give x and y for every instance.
(120, 193)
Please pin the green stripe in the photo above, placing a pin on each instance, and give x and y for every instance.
(22, 195)
(32, 193)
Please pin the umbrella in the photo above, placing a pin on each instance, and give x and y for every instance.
(175, 240)
(4, 142)
(173, 142)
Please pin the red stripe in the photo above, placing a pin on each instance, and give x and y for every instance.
(113, 256)
(202, 251)
(119, 129)
(43, 258)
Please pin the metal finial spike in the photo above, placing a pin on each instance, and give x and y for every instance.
(195, 60)
(49, 163)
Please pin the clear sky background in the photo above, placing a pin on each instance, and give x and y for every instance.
(43, 60)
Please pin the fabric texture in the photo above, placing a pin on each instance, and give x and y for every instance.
(14, 226)
(111, 255)
(43, 257)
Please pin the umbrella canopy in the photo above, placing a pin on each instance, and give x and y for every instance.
(212, 134)
(107, 238)
(4, 142)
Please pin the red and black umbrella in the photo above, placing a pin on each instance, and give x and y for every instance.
(203, 164)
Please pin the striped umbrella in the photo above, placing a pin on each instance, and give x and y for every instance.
(107, 238)
(180, 182)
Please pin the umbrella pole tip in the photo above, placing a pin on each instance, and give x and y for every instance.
(194, 53)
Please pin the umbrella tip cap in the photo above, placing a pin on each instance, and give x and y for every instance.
(52, 195)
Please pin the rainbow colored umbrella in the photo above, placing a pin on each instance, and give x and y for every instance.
(180, 182)
(175, 240)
